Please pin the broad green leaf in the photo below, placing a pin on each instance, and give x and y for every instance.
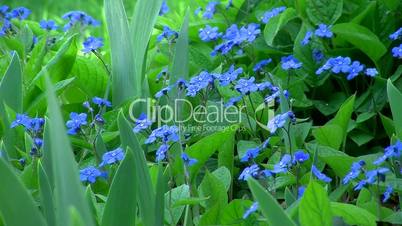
(324, 11)
(268, 205)
(69, 192)
(211, 216)
(395, 97)
(395, 218)
(212, 187)
(34, 64)
(388, 125)
(125, 84)
(146, 199)
(226, 154)
(11, 85)
(315, 208)
(142, 24)
(362, 38)
(173, 212)
(122, 195)
(59, 66)
(353, 215)
(17, 206)
(276, 23)
(232, 214)
(223, 174)
(204, 148)
(333, 133)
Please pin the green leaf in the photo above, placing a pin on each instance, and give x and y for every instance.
(146, 199)
(395, 218)
(276, 23)
(161, 186)
(180, 67)
(205, 147)
(395, 97)
(172, 211)
(268, 205)
(46, 196)
(11, 85)
(362, 38)
(314, 208)
(17, 206)
(226, 155)
(333, 133)
(122, 195)
(353, 215)
(125, 84)
(143, 21)
(69, 192)
(324, 11)
(223, 174)
(212, 187)
(59, 66)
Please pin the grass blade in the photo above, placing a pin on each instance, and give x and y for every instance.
(395, 97)
(17, 206)
(122, 195)
(11, 85)
(124, 83)
(180, 68)
(144, 19)
(268, 205)
(46, 196)
(146, 197)
(69, 192)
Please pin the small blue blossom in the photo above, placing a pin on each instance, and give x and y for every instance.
(354, 172)
(251, 153)
(251, 171)
(79, 17)
(142, 123)
(5, 28)
(92, 44)
(162, 92)
(38, 142)
(90, 174)
(210, 10)
(300, 157)
(300, 191)
(283, 165)
(209, 33)
(3, 11)
(279, 121)
(112, 157)
(258, 66)
(197, 10)
(397, 51)
(354, 69)
(317, 55)
(270, 98)
(21, 119)
(75, 122)
(87, 105)
(252, 209)
(164, 8)
(101, 102)
(337, 65)
(167, 34)
(323, 31)
(387, 194)
(48, 25)
(307, 38)
(263, 86)
(20, 13)
(397, 34)
(233, 100)
(164, 133)
(187, 160)
(250, 32)
(161, 152)
(389, 152)
(320, 175)
(371, 72)
(229, 76)
(198, 83)
(290, 62)
(272, 13)
(223, 48)
(246, 86)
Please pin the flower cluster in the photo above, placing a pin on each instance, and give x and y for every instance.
(6, 15)
(280, 120)
(323, 31)
(166, 135)
(79, 18)
(345, 65)
(284, 165)
(396, 51)
(91, 173)
(167, 34)
(34, 128)
(92, 44)
(272, 13)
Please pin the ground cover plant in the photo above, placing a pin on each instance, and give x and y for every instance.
(244, 112)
